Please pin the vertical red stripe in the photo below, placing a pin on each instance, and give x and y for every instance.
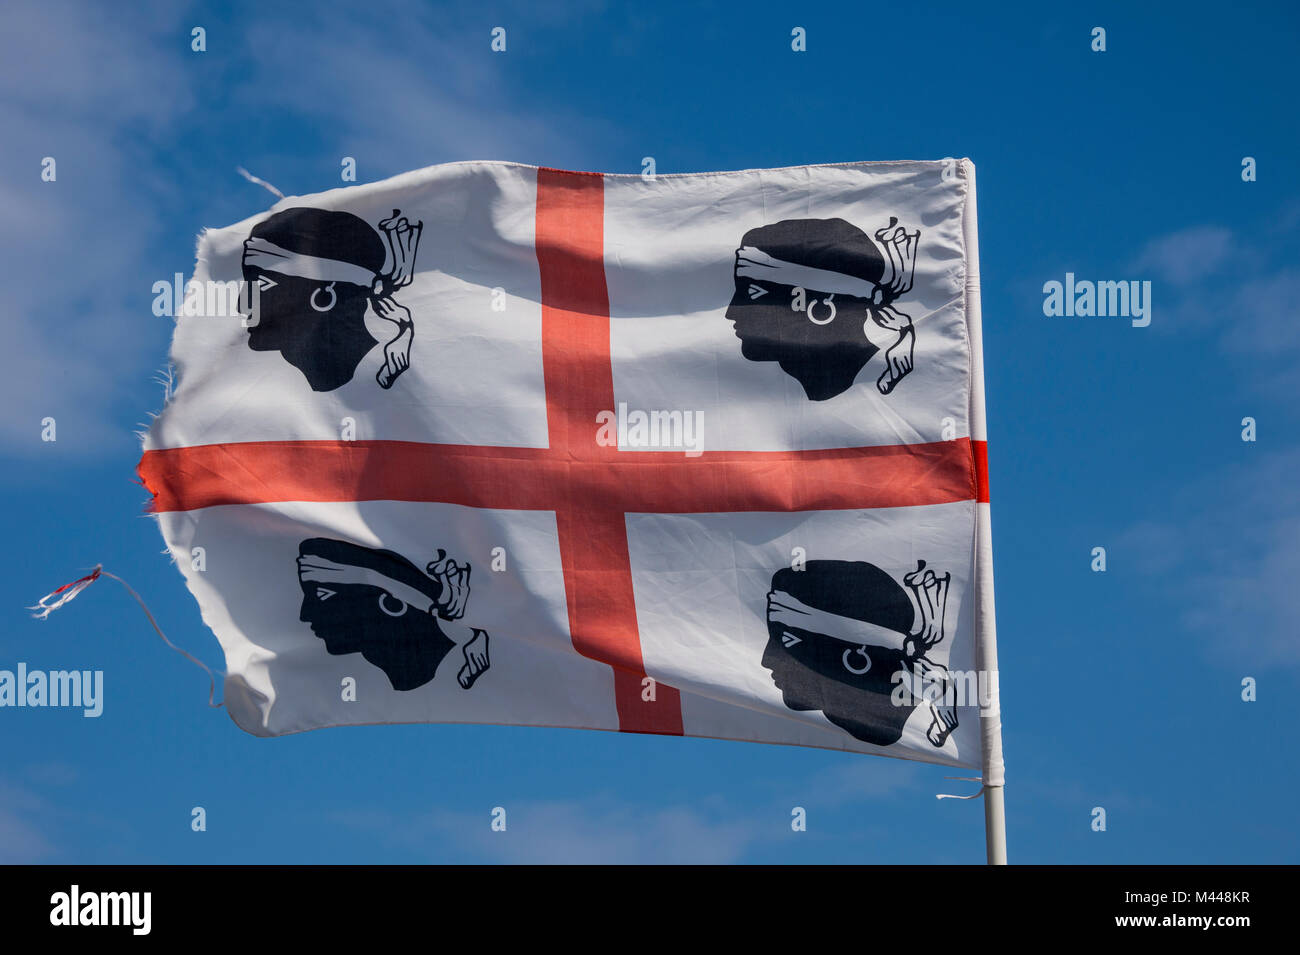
(579, 384)
(575, 309)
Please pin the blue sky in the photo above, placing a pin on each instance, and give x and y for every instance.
(1120, 689)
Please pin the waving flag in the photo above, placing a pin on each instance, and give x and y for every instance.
(697, 454)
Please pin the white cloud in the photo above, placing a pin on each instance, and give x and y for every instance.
(1228, 564)
(1239, 291)
(83, 89)
(602, 833)
(596, 830)
(22, 840)
(1187, 257)
(601, 829)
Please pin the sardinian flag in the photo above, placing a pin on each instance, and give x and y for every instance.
(697, 455)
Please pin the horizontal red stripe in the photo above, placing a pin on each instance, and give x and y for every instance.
(184, 479)
(981, 450)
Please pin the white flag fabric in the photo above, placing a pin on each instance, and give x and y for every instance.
(692, 454)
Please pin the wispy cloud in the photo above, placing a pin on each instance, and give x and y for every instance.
(573, 833)
(1226, 552)
(109, 93)
(1187, 257)
(418, 93)
(82, 88)
(1230, 559)
(22, 834)
(601, 829)
(1240, 291)
(853, 780)
(595, 830)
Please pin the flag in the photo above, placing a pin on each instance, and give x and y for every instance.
(690, 454)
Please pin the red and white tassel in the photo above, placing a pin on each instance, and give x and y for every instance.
(65, 593)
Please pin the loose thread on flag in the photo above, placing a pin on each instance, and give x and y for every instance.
(259, 182)
(965, 779)
(68, 592)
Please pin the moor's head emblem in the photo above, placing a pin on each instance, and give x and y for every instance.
(399, 618)
(806, 290)
(842, 636)
(316, 273)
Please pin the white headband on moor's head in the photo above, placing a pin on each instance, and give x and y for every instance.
(752, 263)
(270, 257)
(401, 241)
(792, 612)
(323, 571)
(899, 251)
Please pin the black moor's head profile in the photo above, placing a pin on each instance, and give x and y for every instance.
(841, 635)
(315, 273)
(804, 289)
(376, 603)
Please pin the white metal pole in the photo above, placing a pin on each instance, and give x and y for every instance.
(986, 646)
(995, 826)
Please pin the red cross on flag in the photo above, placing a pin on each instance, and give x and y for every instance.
(682, 454)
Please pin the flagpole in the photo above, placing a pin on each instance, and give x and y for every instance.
(995, 826)
(986, 640)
